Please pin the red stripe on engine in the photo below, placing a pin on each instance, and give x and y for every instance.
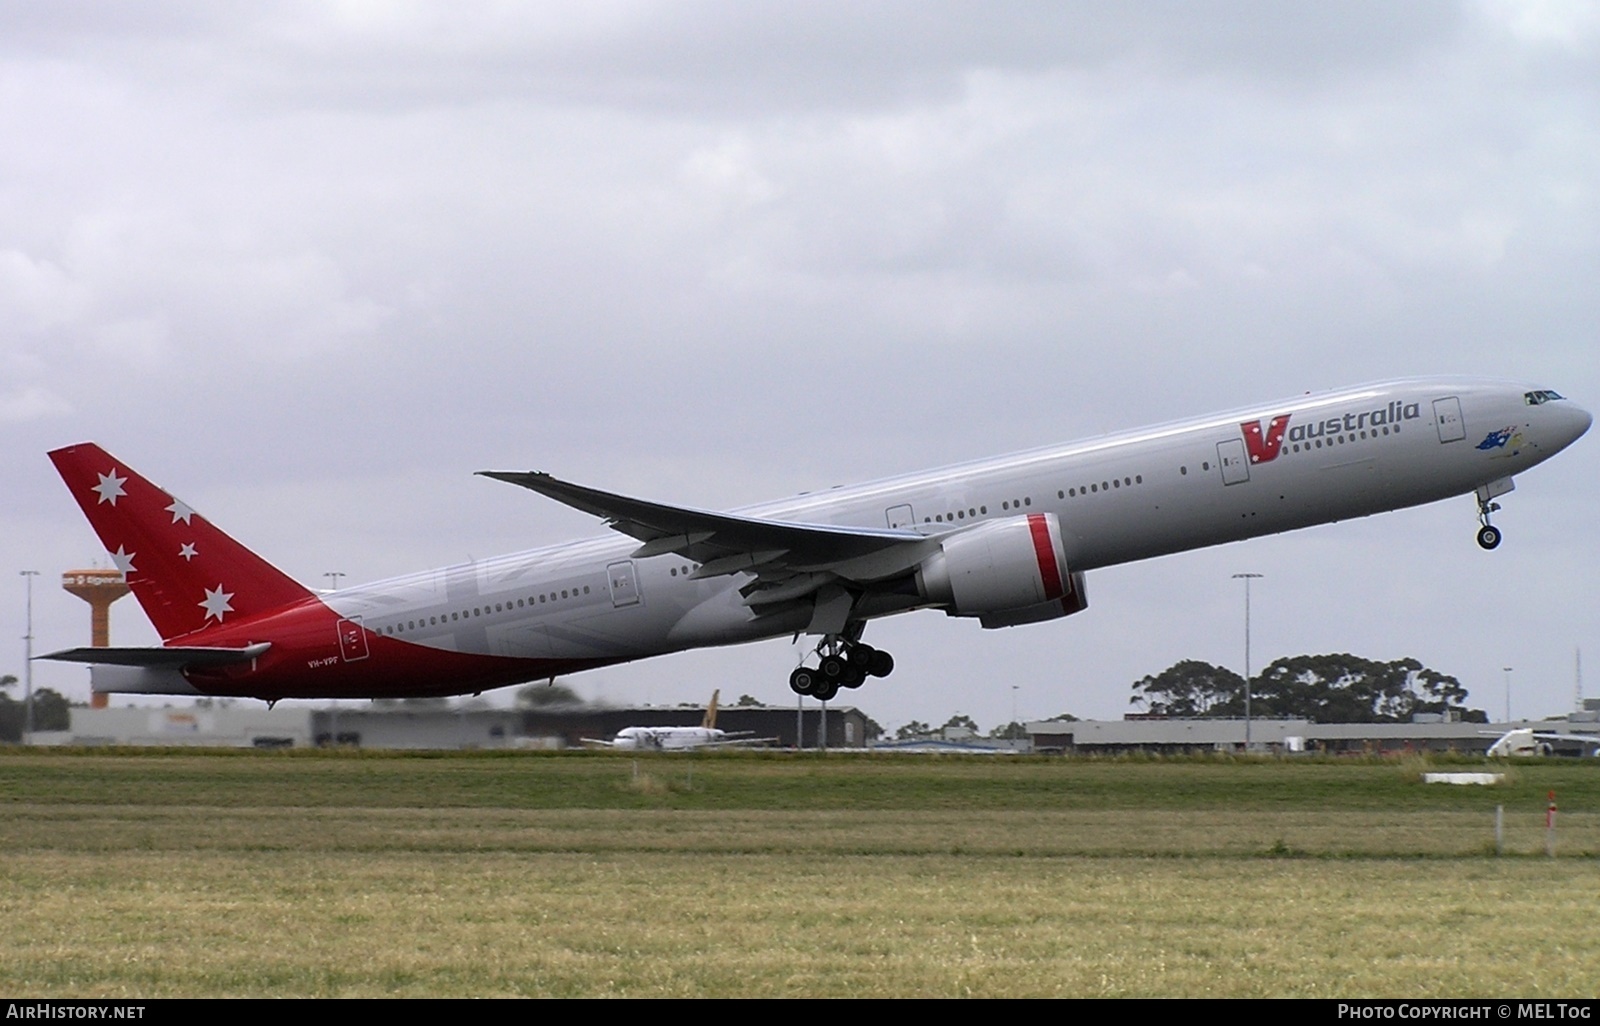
(1046, 555)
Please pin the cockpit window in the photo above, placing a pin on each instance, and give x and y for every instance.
(1540, 397)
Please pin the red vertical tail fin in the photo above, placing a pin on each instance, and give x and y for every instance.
(186, 573)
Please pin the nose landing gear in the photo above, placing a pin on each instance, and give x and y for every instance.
(1488, 534)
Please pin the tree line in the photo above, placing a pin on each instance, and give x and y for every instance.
(49, 711)
(1339, 688)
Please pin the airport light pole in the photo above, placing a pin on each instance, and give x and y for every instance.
(1247, 578)
(333, 578)
(27, 661)
(1507, 671)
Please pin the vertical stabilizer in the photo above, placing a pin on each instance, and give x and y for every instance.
(186, 573)
(710, 722)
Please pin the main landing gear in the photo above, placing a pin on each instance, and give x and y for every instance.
(842, 662)
(1488, 534)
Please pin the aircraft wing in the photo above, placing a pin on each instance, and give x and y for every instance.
(1588, 739)
(738, 742)
(791, 560)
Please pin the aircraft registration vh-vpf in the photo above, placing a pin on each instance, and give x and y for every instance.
(1006, 540)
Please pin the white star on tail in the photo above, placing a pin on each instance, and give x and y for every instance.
(124, 559)
(216, 603)
(110, 487)
(179, 511)
(188, 552)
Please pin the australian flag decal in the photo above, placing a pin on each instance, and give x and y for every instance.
(1495, 439)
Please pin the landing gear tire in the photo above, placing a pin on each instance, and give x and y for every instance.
(804, 681)
(871, 662)
(1488, 536)
(825, 691)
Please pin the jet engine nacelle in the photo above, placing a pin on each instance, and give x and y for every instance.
(1074, 601)
(1006, 572)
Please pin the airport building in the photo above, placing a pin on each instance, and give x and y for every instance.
(1193, 736)
(247, 724)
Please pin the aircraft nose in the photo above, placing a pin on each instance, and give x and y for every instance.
(1575, 420)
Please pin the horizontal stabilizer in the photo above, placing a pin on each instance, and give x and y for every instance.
(157, 657)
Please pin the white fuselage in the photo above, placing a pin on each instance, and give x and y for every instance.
(667, 739)
(1118, 498)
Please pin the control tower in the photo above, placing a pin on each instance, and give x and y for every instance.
(99, 588)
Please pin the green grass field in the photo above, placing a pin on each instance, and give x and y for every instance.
(145, 874)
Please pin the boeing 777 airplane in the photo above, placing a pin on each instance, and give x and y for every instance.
(1006, 540)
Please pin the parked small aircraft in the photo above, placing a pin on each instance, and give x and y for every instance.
(1004, 540)
(682, 739)
(1526, 742)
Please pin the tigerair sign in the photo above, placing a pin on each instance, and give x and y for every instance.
(1264, 443)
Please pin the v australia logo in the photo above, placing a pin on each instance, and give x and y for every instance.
(1264, 446)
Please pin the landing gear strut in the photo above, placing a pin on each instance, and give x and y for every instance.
(1488, 534)
(842, 662)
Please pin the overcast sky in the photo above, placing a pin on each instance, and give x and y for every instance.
(310, 265)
